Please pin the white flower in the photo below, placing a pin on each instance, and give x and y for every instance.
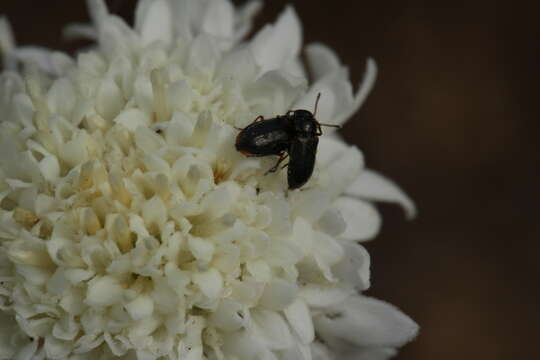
(131, 228)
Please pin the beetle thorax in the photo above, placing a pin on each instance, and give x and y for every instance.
(304, 123)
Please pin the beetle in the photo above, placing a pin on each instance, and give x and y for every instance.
(294, 135)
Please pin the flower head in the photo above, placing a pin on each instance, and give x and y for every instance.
(130, 227)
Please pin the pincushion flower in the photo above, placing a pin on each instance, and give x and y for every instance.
(131, 228)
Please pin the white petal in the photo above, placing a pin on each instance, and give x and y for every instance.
(299, 318)
(323, 296)
(274, 93)
(154, 213)
(116, 38)
(365, 321)
(218, 19)
(153, 20)
(148, 140)
(218, 202)
(7, 40)
(260, 270)
(132, 119)
(104, 291)
(370, 353)
(210, 282)
(61, 97)
(373, 186)
(322, 60)
(344, 170)
(320, 352)
(109, 100)
(327, 252)
(367, 84)
(278, 294)
(329, 150)
(76, 275)
(275, 45)
(244, 17)
(228, 316)
(54, 63)
(239, 65)
(141, 307)
(66, 328)
(12, 339)
(354, 268)
(311, 203)
(363, 220)
(28, 352)
(74, 31)
(272, 329)
(297, 352)
(242, 345)
(56, 348)
(118, 344)
(303, 235)
(50, 168)
(332, 222)
(88, 342)
(203, 56)
(98, 11)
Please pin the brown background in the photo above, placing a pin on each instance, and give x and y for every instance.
(454, 119)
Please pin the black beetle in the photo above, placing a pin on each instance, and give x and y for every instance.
(294, 135)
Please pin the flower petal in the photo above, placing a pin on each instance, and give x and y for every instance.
(228, 316)
(272, 329)
(299, 318)
(353, 268)
(371, 185)
(7, 43)
(327, 252)
(153, 21)
(98, 11)
(141, 307)
(323, 296)
(243, 345)
(278, 294)
(365, 321)
(275, 46)
(322, 60)
(364, 90)
(218, 19)
(342, 172)
(363, 220)
(332, 222)
(273, 94)
(330, 148)
(369, 353)
(210, 282)
(104, 291)
(244, 18)
(52, 62)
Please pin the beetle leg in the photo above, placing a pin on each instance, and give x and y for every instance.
(258, 118)
(282, 157)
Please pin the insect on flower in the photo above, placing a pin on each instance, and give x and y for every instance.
(293, 135)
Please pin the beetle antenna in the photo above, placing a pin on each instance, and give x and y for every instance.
(316, 104)
(331, 125)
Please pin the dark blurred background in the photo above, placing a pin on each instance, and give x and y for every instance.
(454, 118)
